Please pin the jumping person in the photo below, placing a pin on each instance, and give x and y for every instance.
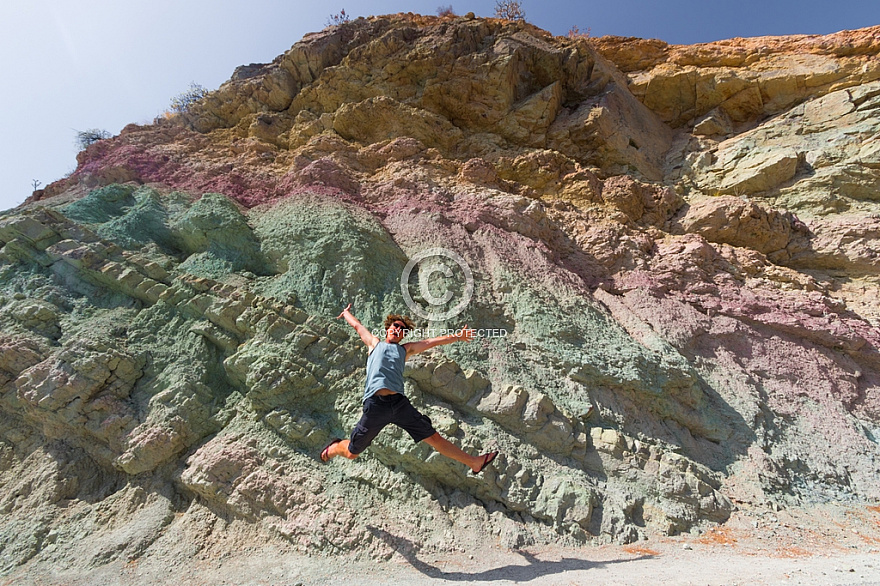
(384, 401)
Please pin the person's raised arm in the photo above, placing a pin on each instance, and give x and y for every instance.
(368, 338)
(464, 334)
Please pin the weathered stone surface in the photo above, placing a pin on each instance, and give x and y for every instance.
(758, 171)
(382, 118)
(817, 158)
(731, 220)
(849, 244)
(40, 316)
(671, 239)
(746, 80)
(81, 395)
(648, 204)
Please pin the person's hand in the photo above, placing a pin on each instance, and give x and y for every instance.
(465, 334)
(343, 311)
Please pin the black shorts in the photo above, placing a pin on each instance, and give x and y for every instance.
(379, 411)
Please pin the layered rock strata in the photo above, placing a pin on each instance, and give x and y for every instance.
(677, 241)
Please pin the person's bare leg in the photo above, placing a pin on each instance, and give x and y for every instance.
(340, 449)
(450, 450)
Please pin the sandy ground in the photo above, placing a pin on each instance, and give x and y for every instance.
(826, 545)
(637, 565)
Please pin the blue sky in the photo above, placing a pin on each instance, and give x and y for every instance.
(73, 65)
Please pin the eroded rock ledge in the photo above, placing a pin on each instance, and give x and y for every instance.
(679, 241)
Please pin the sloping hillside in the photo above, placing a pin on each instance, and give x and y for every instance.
(674, 256)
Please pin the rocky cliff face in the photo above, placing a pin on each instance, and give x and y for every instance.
(680, 243)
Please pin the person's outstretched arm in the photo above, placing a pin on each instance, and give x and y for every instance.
(415, 347)
(368, 338)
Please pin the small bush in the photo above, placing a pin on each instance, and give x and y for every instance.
(84, 138)
(181, 103)
(575, 33)
(509, 10)
(337, 19)
(445, 11)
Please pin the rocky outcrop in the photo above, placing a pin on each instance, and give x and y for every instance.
(270, 370)
(742, 80)
(678, 244)
(744, 224)
(817, 158)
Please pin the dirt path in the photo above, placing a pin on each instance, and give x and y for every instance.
(547, 566)
(826, 545)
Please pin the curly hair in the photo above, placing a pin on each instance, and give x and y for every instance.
(392, 317)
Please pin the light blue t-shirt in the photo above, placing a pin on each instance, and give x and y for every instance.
(385, 369)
